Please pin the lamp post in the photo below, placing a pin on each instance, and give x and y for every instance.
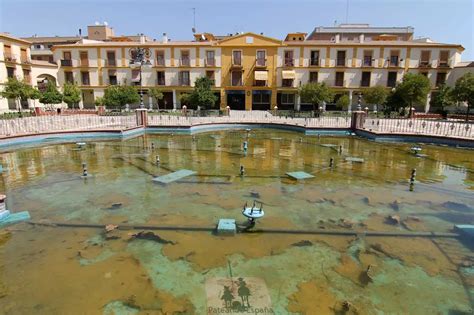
(359, 101)
(139, 58)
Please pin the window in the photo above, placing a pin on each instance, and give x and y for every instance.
(111, 58)
(113, 77)
(184, 78)
(341, 58)
(261, 97)
(160, 78)
(236, 78)
(26, 75)
(394, 61)
(10, 72)
(313, 77)
(289, 62)
(185, 58)
(443, 58)
(85, 78)
(365, 81)
(160, 58)
(83, 56)
(237, 58)
(367, 62)
(425, 58)
(211, 76)
(66, 61)
(68, 77)
(440, 78)
(261, 58)
(314, 60)
(287, 98)
(23, 55)
(424, 74)
(287, 82)
(8, 54)
(210, 58)
(339, 79)
(136, 76)
(38, 46)
(392, 79)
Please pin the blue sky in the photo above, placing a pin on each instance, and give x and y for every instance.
(449, 21)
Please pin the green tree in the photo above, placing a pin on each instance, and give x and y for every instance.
(343, 101)
(376, 95)
(202, 94)
(71, 94)
(99, 101)
(464, 91)
(395, 103)
(442, 99)
(316, 94)
(18, 90)
(156, 94)
(51, 95)
(184, 98)
(118, 96)
(414, 89)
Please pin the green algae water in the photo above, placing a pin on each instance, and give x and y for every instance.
(46, 269)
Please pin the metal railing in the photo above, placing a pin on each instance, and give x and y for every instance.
(420, 127)
(245, 117)
(43, 124)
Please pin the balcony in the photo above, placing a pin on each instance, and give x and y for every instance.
(340, 62)
(289, 62)
(66, 62)
(110, 63)
(210, 62)
(393, 62)
(184, 62)
(314, 62)
(367, 62)
(184, 82)
(9, 57)
(160, 61)
(444, 64)
(160, 81)
(25, 60)
(424, 64)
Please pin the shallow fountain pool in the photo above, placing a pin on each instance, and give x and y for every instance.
(76, 270)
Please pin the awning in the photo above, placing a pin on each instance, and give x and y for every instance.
(135, 75)
(288, 74)
(261, 75)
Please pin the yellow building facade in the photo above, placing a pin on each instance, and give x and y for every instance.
(252, 71)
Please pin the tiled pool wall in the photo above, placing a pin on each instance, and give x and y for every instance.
(65, 137)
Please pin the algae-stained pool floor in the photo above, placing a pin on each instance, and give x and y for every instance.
(56, 270)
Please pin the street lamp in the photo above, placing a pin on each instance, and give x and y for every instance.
(139, 58)
(359, 101)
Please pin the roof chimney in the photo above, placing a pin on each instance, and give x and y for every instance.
(165, 38)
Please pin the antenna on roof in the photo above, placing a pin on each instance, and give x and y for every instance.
(194, 20)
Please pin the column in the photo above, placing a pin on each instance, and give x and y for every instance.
(427, 104)
(175, 104)
(298, 102)
(349, 108)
